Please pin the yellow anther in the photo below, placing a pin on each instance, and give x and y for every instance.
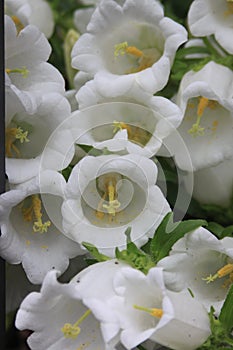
(114, 204)
(229, 10)
(135, 133)
(38, 225)
(224, 271)
(72, 330)
(152, 311)
(99, 213)
(119, 126)
(13, 134)
(34, 211)
(24, 71)
(132, 50)
(204, 102)
(19, 25)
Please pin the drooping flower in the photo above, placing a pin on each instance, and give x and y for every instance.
(206, 17)
(203, 264)
(27, 135)
(129, 45)
(145, 309)
(36, 12)
(30, 219)
(58, 318)
(205, 99)
(107, 194)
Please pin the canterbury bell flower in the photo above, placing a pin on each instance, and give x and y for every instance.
(129, 44)
(205, 99)
(59, 319)
(36, 12)
(27, 136)
(207, 17)
(30, 219)
(107, 194)
(145, 309)
(26, 53)
(202, 264)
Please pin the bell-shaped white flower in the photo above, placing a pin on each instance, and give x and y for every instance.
(26, 54)
(214, 185)
(129, 44)
(206, 17)
(205, 99)
(27, 135)
(58, 318)
(137, 126)
(36, 12)
(107, 194)
(203, 264)
(147, 310)
(30, 219)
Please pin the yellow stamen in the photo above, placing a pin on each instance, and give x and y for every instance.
(214, 125)
(132, 50)
(204, 102)
(13, 134)
(135, 133)
(39, 226)
(229, 10)
(72, 330)
(224, 271)
(24, 71)
(19, 25)
(114, 204)
(99, 213)
(152, 311)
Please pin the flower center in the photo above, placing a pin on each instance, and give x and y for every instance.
(152, 311)
(197, 129)
(23, 71)
(35, 211)
(226, 270)
(12, 135)
(135, 133)
(144, 59)
(71, 331)
(110, 193)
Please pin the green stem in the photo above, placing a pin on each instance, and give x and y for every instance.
(211, 49)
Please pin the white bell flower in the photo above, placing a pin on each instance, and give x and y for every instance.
(27, 135)
(136, 126)
(205, 100)
(206, 17)
(147, 310)
(203, 264)
(107, 194)
(58, 318)
(36, 12)
(129, 44)
(30, 219)
(26, 54)
(214, 185)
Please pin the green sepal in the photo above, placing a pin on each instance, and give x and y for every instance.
(95, 253)
(134, 256)
(168, 233)
(220, 339)
(226, 314)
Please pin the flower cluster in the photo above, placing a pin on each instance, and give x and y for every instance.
(118, 210)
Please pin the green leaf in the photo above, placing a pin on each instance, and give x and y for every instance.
(216, 229)
(226, 314)
(134, 256)
(95, 253)
(168, 233)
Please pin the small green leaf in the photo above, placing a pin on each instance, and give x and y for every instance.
(168, 233)
(226, 314)
(95, 253)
